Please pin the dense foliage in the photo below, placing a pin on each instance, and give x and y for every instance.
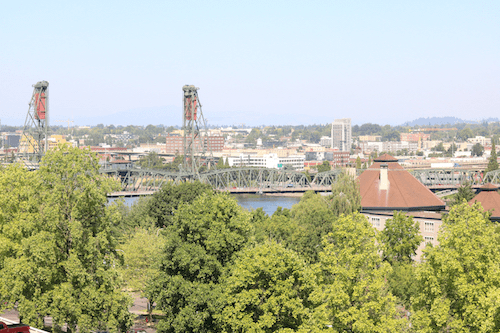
(267, 289)
(200, 243)
(211, 266)
(459, 280)
(57, 252)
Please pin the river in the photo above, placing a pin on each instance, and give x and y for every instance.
(269, 204)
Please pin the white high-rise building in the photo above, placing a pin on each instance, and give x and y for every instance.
(342, 134)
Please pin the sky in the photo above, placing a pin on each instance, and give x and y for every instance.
(255, 62)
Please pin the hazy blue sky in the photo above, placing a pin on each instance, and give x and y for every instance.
(256, 62)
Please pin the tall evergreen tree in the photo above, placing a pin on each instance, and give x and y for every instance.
(358, 163)
(220, 163)
(465, 192)
(492, 162)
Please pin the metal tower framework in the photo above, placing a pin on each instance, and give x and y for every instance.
(36, 125)
(195, 144)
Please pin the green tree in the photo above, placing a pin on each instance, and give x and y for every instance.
(267, 290)
(151, 161)
(459, 280)
(358, 163)
(133, 217)
(464, 192)
(278, 228)
(164, 203)
(175, 164)
(140, 250)
(311, 220)
(440, 147)
(400, 238)
(200, 242)
(465, 134)
(399, 242)
(352, 293)
(325, 166)
(493, 160)
(220, 163)
(402, 283)
(58, 255)
(345, 197)
(477, 150)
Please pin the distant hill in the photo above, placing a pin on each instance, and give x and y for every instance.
(444, 120)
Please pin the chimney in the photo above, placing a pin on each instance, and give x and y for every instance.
(383, 184)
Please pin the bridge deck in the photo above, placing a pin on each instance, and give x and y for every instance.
(235, 190)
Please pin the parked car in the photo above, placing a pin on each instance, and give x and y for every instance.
(14, 328)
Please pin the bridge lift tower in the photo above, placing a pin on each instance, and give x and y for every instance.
(195, 144)
(36, 126)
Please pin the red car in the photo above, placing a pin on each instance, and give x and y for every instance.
(14, 328)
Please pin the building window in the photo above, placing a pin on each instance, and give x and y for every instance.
(429, 226)
(429, 239)
(376, 221)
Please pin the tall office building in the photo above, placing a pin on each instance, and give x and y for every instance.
(341, 134)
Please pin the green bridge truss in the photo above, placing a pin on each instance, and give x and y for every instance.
(225, 179)
(150, 180)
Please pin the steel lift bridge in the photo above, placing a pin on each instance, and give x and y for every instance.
(235, 180)
(262, 180)
(34, 141)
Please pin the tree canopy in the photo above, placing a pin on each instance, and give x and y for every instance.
(459, 280)
(57, 253)
(164, 202)
(477, 150)
(400, 238)
(345, 197)
(325, 166)
(352, 292)
(200, 242)
(267, 290)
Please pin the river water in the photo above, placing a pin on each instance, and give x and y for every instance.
(269, 204)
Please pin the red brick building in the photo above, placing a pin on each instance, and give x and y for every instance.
(174, 144)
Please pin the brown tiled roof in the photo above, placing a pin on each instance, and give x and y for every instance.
(489, 199)
(385, 158)
(404, 192)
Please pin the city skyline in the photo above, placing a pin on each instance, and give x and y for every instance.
(255, 63)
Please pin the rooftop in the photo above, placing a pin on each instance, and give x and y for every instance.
(489, 199)
(387, 186)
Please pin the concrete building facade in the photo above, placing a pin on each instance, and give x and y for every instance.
(342, 134)
(272, 161)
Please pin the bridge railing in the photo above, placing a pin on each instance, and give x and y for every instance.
(455, 177)
(134, 179)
